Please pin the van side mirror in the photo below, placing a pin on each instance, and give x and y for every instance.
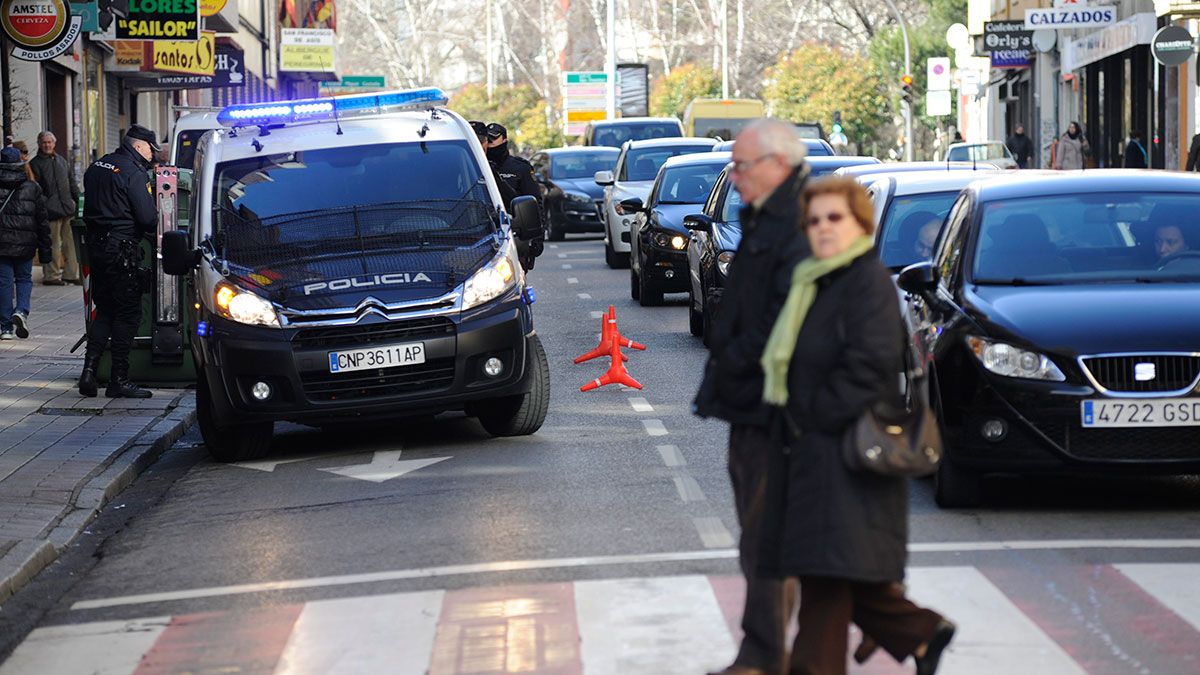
(698, 222)
(526, 217)
(917, 279)
(604, 178)
(178, 256)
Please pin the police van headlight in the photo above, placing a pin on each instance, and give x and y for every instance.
(493, 280)
(244, 307)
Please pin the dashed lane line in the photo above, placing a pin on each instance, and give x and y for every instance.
(562, 255)
(596, 315)
(713, 533)
(671, 456)
(689, 490)
(572, 280)
(654, 427)
(585, 296)
(640, 404)
(566, 266)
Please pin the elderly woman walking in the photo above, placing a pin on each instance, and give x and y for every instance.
(835, 351)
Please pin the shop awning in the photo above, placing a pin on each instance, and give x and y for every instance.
(1137, 30)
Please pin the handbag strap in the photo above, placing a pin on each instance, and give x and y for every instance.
(6, 200)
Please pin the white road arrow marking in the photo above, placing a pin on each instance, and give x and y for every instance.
(385, 465)
(270, 464)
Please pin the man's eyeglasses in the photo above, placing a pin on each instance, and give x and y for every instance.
(747, 164)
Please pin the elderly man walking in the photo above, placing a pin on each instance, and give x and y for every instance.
(769, 173)
(61, 192)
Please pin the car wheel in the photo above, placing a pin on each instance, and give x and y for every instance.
(695, 319)
(229, 442)
(649, 294)
(610, 256)
(635, 285)
(523, 414)
(955, 487)
(554, 233)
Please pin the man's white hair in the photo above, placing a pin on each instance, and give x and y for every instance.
(779, 138)
(46, 134)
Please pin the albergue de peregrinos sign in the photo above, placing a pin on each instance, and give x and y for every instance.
(40, 29)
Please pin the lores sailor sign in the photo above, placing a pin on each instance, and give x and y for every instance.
(40, 29)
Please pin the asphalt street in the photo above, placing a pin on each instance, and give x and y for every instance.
(1052, 575)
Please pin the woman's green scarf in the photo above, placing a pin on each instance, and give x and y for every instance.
(778, 352)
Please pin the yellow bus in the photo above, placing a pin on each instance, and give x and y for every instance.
(717, 117)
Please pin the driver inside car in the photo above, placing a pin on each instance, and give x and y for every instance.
(1169, 241)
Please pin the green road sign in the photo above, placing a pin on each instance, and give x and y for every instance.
(376, 81)
(586, 78)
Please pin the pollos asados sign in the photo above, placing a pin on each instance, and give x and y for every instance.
(40, 29)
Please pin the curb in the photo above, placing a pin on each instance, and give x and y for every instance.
(21, 563)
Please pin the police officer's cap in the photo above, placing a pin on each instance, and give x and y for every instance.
(479, 128)
(496, 130)
(141, 133)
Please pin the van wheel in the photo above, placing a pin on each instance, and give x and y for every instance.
(695, 319)
(553, 233)
(523, 414)
(635, 285)
(954, 487)
(234, 442)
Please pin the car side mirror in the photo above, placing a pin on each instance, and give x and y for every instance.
(539, 177)
(628, 207)
(698, 222)
(604, 178)
(526, 217)
(178, 256)
(917, 279)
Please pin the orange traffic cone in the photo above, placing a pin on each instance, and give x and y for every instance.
(616, 373)
(608, 329)
(611, 342)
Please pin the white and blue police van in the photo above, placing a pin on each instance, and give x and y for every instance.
(351, 261)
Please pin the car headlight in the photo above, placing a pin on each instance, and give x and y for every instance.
(724, 260)
(492, 280)
(577, 198)
(244, 307)
(1004, 359)
(668, 240)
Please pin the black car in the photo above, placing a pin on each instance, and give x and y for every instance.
(659, 238)
(715, 235)
(571, 197)
(1060, 317)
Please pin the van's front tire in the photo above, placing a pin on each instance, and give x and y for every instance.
(523, 414)
(230, 442)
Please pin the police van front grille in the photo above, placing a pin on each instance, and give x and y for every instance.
(374, 333)
(433, 375)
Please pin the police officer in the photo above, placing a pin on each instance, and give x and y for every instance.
(518, 174)
(507, 194)
(118, 211)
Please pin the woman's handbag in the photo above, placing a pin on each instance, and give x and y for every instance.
(892, 441)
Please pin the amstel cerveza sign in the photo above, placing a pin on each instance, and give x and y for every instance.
(41, 29)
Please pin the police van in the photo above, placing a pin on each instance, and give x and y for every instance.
(350, 260)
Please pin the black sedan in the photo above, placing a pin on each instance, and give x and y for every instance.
(659, 238)
(569, 191)
(1060, 318)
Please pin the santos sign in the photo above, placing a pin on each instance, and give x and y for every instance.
(1063, 18)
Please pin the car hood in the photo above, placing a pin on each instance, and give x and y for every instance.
(670, 216)
(1091, 319)
(586, 186)
(640, 189)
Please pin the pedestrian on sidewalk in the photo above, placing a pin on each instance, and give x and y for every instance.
(769, 173)
(57, 181)
(1136, 156)
(119, 212)
(1020, 146)
(20, 145)
(836, 350)
(1072, 148)
(24, 231)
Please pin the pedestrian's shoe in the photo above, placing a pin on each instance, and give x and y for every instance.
(54, 282)
(865, 649)
(927, 663)
(7, 335)
(121, 387)
(735, 669)
(21, 324)
(88, 385)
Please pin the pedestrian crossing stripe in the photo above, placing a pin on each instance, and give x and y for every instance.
(1010, 621)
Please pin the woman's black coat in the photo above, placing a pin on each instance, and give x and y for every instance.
(24, 229)
(823, 520)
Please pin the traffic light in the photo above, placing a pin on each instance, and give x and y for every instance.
(906, 93)
(837, 121)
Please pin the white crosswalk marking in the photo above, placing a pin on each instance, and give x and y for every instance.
(387, 633)
(663, 625)
(993, 634)
(1171, 584)
(103, 648)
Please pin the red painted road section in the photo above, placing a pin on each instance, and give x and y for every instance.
(243, 642)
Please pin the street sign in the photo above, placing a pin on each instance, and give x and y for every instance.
(937, 72)
(585, 78)
(40, 31)
(150, 20)
(585, 99)
(1172, 46)
(1067, 18)
(353, 84)
(938, 104)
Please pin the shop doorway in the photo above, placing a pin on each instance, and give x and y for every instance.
(58, 107)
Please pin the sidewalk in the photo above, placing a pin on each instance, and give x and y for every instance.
(62, 456)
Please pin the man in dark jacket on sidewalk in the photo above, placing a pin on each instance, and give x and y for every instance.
(1020, 146)
(57, 181)
(23, 231)
(769, 173)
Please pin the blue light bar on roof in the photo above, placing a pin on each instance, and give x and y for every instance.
(321, 109)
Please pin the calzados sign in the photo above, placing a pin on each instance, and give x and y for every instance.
(160, 20)
(41, 29)
(1061, 18)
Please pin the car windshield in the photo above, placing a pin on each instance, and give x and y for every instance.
(725, 129)
(582, 164)
(816, 148)
(642, 164)
(978, 153)
(731, 213)
(910, 227)
(1090, 238)
(615, 135)
(688, 184)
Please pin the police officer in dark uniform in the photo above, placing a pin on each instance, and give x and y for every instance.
(119, 210)
(517, 173)
(507, 194)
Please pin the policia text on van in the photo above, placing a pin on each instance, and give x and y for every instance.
(330, 289)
